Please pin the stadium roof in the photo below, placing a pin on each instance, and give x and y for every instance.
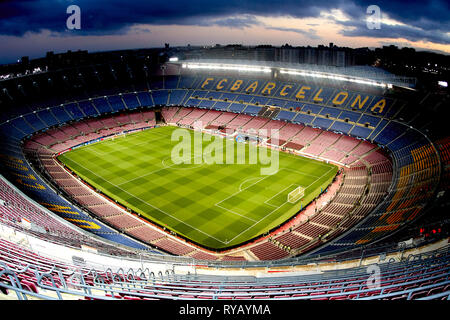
(373, 74)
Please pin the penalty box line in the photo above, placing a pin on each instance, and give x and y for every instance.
(240, 190)
(258, 181)
(272, 205)
(231, 211)
(274, 210)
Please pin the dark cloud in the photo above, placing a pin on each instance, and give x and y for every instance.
(108, 16)
(423, 14)
(310, 33)
(235, 22)
(427, 20)
(359, 28)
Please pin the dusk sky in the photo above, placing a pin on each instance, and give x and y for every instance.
(33, 27)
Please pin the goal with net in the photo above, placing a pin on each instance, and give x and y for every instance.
(296, 194)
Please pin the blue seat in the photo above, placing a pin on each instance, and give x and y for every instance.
(116, 103)
(48, 117)
(87, 108)
(285, 115)
(102, 105)
(73, 110)
(130, 100)
(176, 97)
(35, 122)
(160, 97)
(145, 98)
(252, 110)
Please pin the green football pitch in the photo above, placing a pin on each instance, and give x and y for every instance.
(214, 205)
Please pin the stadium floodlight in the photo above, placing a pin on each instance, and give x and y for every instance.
(173, 59)
(226, 67)
(296, 194)
(331, 76)
(443, 84)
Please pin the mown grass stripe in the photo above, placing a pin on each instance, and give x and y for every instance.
(183, 198)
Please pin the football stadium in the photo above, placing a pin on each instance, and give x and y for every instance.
(183, 174)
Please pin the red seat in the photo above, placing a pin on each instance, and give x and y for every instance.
(333, 291)
(401, 297)
(131, 298)
(339, 298)
(30, 286)
(435, 290)
(418, 294)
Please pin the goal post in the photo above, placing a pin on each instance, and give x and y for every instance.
(296, 194)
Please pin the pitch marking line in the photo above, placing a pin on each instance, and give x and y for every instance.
(256, 222)
(270, 213)
(169, 166)
(232, 195)
(240, 190)
(303, 157)
(266, 202)
(299, 172)
(231, 211)
(249, 179)
(193, 165)
(156, 208)
(130, 146)
(160, 169)
(129, 136)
